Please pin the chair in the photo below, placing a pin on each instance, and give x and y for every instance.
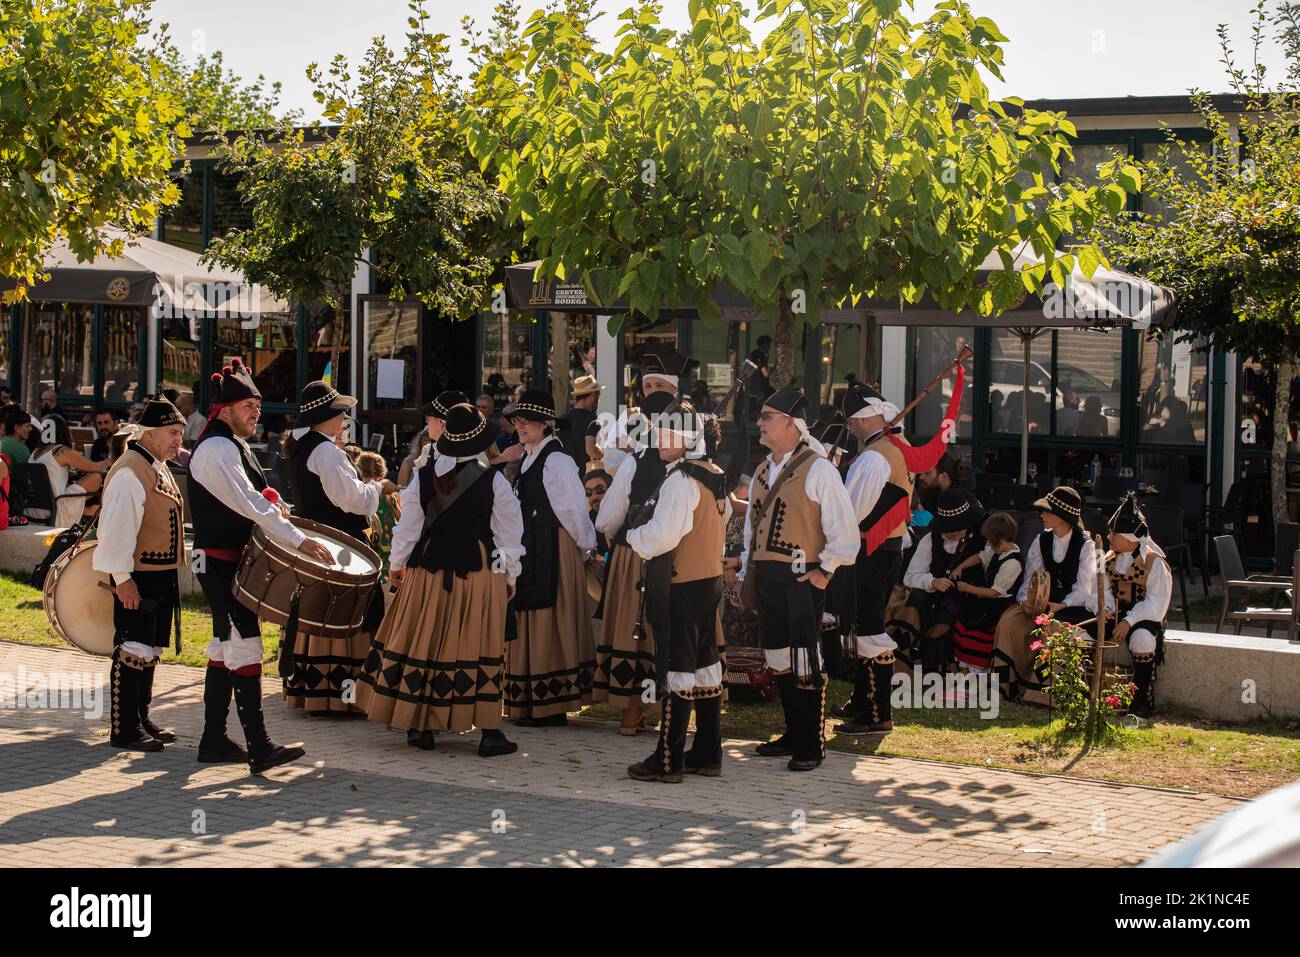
(1237, 585)
(1166, 525)
(1111, 488)
(1286, 540)
(38, 494)
(1029, 528)
(1190, 497)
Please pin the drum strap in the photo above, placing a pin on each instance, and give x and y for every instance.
(465, 479)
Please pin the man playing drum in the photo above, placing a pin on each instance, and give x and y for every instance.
(228, 495)
(140, 544)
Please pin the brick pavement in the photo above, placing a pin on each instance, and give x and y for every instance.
(362, 797)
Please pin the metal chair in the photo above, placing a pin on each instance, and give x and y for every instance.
(33, 480)
(1237, 585)
(1190, 497)
(1286, 540)
(1166, 525)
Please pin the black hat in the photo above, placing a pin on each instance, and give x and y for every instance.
(859, 396)
(660, 358)
(535, 405)
(1063, 502)
(467, 433)
(789, 400)
(656, 402)
(1129, 518)
(319, 403)
(956, 511)
(445, 400)
(158, 413)
(233, 384)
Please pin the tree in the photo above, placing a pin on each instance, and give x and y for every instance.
(852, 153)
(87, 140)
(1229, 241)
(388, 188)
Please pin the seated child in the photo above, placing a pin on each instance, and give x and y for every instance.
(987, 583)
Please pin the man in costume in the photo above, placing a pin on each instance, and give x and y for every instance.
(327, 489)
(798, 531)
(683, 543)
(140, 545)
(1065, 555)
(228, 495)
(1138, 577)
(662, 370)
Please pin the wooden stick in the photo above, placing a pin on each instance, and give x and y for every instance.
(1098, 650)
(966, 353)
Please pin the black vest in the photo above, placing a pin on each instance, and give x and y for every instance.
(649, 474)
(310, 500)
(539, 576)
(216, 526)
(452, 541)
(941, 562)
(981, 613)
(1065, 573)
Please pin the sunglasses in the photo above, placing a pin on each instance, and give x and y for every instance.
(595, 490)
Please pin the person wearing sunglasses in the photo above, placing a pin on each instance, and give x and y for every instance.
(596, 484)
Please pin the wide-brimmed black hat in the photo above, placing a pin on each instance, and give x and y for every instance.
(467, 433)
(535, 405)
(956, 511)
(789, 400)
(662, 359)
(1129, 518)
(1063, 502)
(320, 402)
(438, 407)
(233, 384)
(159, 413)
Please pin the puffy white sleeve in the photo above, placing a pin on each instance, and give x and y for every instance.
(409, 526)
(507, 526)
(1084, 592)
(615, 504)
(673, 518)
(568, 500)
(749, 515)
(865, 481)
(918, 569)
(218, 466)
(120, 514)
(1154, 606)
(1006, 576)
(1033, 563)
(340, 480)
(824, 487)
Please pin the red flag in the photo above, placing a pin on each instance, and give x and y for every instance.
(922, 458)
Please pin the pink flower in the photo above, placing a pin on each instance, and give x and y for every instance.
(1042, 620)
(1112, 701)
(1132, 689)
(1036, 646)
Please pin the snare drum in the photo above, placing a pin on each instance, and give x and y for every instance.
(77, 601)
(332, 600)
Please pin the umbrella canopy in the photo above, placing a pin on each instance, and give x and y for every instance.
(150, 273)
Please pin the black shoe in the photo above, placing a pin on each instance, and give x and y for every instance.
(779, 748)
(142, 743)
(493, 744)
(804, 764)
(645, 772)
(552, 721)
(223, 751)
(862, 726)
(703, 769)
(843, 711)
(165, 735)
(279, 754)
(424, 740)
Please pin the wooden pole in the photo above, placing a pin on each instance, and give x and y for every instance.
(943, 374)
(1098, 651)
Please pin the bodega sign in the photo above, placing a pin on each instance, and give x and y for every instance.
(77, 910)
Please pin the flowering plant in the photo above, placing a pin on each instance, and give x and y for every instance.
(1062, 660)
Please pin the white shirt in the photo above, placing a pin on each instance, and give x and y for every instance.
(218, 465)
(918, 569)
(614, 506)
(626, 435)
(868, 474)
(120, 514)
(822, 485)
(673, 518)
(1007, 573)
(194, 427)
(1154, 606)
(564, 489)
(507, 522)
(1084, 592)
(338, 477)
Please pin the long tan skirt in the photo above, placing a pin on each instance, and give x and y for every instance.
(436, 662)
(1013, 658)
(550, 666)
(622, 662)
(324, 668)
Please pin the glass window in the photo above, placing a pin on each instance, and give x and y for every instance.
(1006, 383)
(228, 210)
(841, 360)
(392, 331)
(1088, 372)
(717, 348)
(320, 350)
(121, 354)
(507, 354)
(1256, 383)
(572, 353)
(935, 348)
(180, 360)
(1089, 156)
(183, 225)
(6, 362)
(270, 350)
(76, 363)
(1171, 392)
(1176, 158)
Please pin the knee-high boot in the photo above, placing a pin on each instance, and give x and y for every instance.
(705, 755)
(668, 759)
(784, 745)
(876, 716)
(263, 753)
(125, 679)
(809, 752)
(215, 747)
(1144, 698)
(165, 735)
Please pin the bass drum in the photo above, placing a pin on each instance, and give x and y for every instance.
(78, 602)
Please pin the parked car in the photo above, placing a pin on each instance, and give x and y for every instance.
(1007, 377)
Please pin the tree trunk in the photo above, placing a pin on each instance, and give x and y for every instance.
(1286, 371)
(560, 361)
(336, 333)
(30, 397)
(782, 369)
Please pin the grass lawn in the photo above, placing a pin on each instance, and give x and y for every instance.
(1179, 751)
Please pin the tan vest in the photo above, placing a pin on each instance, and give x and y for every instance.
(159, 544)
(898, 474)
(790, 527)
(1131, 587)
(699, 554)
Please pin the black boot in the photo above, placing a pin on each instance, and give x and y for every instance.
(668, 759)
(857, 702)
(812, 723)
(493, 743)
(705, 756)
(424, 740)
(784, 745)
(877, 717)
(125, 679)
(263, 753)
(1144, 699)
(165, 735)
(215, 747)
